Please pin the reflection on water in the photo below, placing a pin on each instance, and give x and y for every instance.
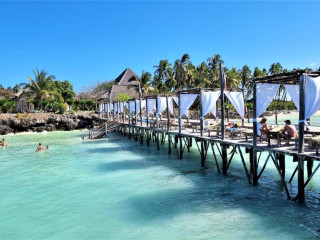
(119, 189)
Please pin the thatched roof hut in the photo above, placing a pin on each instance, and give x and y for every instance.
(125, 84)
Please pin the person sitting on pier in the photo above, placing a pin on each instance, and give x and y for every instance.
(262, 129)
(289, 131)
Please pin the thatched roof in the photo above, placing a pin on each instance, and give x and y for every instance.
(127, 77)
(116, 90)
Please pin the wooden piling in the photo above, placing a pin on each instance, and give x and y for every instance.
(309, 167)
(282, 164)
(254, 162)
(301, 195)
(168, 114)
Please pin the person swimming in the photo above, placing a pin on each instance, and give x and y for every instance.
(39, 148)
(47, 147)
(3, 143)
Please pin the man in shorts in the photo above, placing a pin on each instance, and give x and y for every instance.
(289, 131)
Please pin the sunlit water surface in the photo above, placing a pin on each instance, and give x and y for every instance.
(116, 188)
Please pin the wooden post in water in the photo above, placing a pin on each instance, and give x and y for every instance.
(168, 114)
(201, 114)
(301, 196)
(168, 124)
(254, 162)
(157, 124)
(147, 130)
(223, 145)
(140, 109)
(201, 131)
(282, 164)
(157, 117)
(309, 167)
(129, 130)
(179, 117)
(147, 110)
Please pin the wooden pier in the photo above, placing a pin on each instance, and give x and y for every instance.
(223, 152)
(180, 140)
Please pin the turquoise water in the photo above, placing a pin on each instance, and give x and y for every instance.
(315, 121)
(118, 189)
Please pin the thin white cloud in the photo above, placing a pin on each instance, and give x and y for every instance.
(313, 64)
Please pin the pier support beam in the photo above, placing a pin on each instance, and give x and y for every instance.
(282, 164)
(169, 142)
(224, 156)
(309, 167)
(301, 196)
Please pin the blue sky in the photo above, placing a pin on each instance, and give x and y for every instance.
(84, 42)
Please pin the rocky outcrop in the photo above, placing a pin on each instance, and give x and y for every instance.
(46, 122)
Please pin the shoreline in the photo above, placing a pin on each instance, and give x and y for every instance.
(46, 122)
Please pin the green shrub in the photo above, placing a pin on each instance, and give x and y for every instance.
(281, 105)
(7, 106)
(123, 97)
(63, 108)
(73, 112)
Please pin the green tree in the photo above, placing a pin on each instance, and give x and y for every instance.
(275, 68)
(161, 74)
(181, 71)
(214, 71)
(144, 83)
(65, 88)
(42, 87)
(107, 85)
(233, 78)
(123, 97)
(201, 76)
(245, 74)
(171, 81)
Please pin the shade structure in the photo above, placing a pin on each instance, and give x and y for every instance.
(131, 106)
(170, 103)
(236, 99)
(162, 105)
(209, 102)
(186, 100)
(265, 95)
(151, 103)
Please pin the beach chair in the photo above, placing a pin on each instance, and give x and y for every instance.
(173, 123)
(313, 142)
(214, 127)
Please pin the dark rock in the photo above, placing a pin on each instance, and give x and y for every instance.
(4, 129)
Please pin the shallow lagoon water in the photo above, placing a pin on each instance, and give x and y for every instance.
(116, 188)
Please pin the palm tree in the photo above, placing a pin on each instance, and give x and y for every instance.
(249, 85)
(171, 82)
(233, 78)
(214, 72)
(181, 70)
(201, 76)
(144, 82)
(162, 70)
(41, 87)
(245, 74)
(275, 68)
